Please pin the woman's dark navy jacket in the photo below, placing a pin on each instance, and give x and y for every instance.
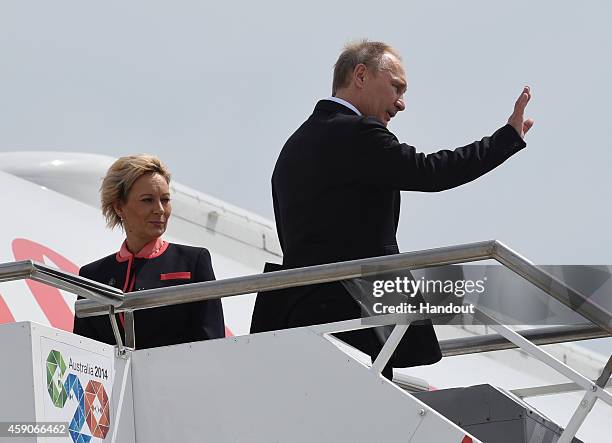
(167, 265)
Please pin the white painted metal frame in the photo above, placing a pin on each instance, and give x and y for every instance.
(105, 300)
(558, 388)
(391, 343)
(593, 392)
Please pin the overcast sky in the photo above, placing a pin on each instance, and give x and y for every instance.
(215, 88)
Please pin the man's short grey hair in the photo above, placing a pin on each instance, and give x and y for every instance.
(369, 53)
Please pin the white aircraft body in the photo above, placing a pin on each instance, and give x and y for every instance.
(52, 215)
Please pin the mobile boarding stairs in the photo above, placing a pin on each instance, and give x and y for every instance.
(293, 385)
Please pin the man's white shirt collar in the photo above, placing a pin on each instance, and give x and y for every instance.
(345, 103)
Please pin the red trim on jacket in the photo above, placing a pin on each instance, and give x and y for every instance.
(175, 276)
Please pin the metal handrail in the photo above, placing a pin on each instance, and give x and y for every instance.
(99, 296)
(539, 336)
(152, 298)
(28, 269)
(470, 252)
(450, 347)
(105, 300)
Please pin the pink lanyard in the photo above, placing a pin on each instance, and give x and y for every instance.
(126, 287)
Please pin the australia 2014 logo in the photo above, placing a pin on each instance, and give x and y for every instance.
(92, 402)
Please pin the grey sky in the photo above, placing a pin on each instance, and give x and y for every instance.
(215, 89)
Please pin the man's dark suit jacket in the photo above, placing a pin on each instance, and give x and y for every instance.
(167, 325)
(336, 197)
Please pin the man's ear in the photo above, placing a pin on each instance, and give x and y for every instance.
(360, 74)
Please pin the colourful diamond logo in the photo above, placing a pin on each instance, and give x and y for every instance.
(56, 368)
(92, 403)
(97, 409)
(75, 391)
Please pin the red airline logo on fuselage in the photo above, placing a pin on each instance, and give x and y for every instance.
(48, 298)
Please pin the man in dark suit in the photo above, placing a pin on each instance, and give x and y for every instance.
(336, 194)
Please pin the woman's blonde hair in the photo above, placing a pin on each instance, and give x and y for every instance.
(120, 178)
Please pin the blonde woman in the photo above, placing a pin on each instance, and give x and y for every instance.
(135, 195)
